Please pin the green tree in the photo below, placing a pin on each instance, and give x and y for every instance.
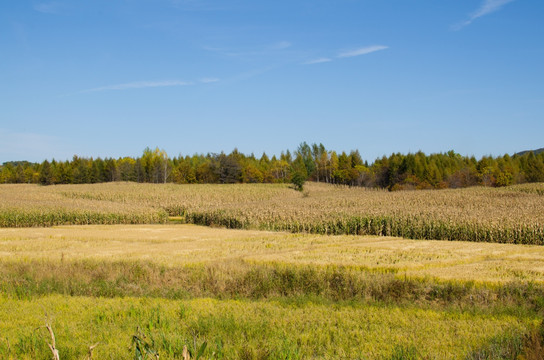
(126, 167)
(304, 152)
(46, 177)
(298, 173)
(534, 169)
(298, 179)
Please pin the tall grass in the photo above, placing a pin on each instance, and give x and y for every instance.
(242, 329)
(283, 282)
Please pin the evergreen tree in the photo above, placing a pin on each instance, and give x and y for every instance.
(46, 177)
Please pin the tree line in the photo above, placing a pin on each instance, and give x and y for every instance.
(307, 163)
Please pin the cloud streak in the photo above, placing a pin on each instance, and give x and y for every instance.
(362, 51)
(47, 8)
(318, 61)
(140, 85)
(487, 7)
(347, 54)
(267, 50)
(208, 80)
(281, 45)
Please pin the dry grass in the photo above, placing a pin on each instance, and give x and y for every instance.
(177, 245)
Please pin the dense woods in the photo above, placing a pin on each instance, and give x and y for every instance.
(311, 162)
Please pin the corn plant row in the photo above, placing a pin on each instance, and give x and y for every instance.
(410, 228)
(59, 217)
(508, 215)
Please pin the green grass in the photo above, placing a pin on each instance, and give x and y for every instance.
(241, 280)
(244, 329)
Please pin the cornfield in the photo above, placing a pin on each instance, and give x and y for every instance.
(28, 206)
(505, 215)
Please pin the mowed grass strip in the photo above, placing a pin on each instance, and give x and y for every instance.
(182, 245)
(241, 329)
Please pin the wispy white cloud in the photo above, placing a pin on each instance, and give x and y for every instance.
(266, 50)
(487, 7)
(362, 51)
(347, 54)
(251, 73)
(281, 45)
(47, 8)
(318, 61)
(139, 85)
(208, 80)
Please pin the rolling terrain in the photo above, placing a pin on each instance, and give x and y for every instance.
(300, 276)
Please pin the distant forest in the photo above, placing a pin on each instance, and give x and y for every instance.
(309, 162)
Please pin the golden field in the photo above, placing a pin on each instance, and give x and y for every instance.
(508, 215)
(277, 274)
(183, 245)
(263, 295)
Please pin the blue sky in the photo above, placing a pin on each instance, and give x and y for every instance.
(111, 77)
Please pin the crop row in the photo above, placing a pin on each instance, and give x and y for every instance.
(410, 227)
(18, 218)
(507, 215)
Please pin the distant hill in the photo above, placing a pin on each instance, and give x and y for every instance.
(538, 151)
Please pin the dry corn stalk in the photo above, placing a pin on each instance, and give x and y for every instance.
(185, 353)
(52, 346)
(90, 353)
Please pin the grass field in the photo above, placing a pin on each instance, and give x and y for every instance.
(277, 274)
(507, 215)
(264, 295)
(242, 329)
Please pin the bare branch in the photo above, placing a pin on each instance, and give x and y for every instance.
(185, 353)
(52, 346)
(90, 353)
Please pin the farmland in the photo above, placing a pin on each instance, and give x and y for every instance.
(507, 215)
(322, 287)
(184, 245)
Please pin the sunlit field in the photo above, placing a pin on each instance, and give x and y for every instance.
(242, 329)
(507, 215)
(271, 180)
(332, 272)
(263, 295)
(188, 245)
